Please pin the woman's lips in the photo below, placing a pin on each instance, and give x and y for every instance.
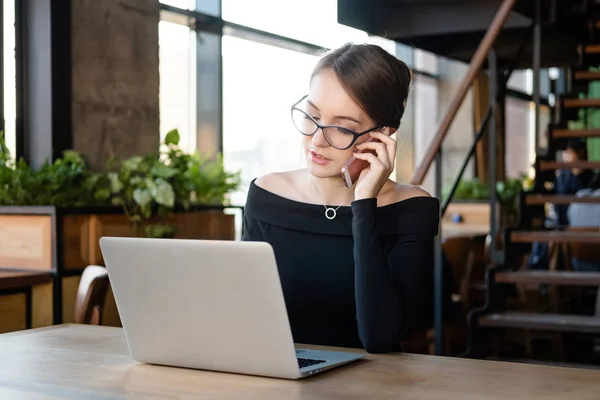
(318, 159)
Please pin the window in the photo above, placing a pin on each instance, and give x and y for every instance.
(521, 80)
(426, 62)
(177, 82)
(185, 4)
(260, 83)
(10, 84)
(426, 111)
(312, 21)
(520, 145)
(260, 80)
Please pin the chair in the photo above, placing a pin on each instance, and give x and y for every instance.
(91, 295)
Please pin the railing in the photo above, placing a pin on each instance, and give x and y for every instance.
(476, 63)
(434, 153)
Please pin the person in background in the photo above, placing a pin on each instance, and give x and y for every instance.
(568, 182)
(586, 215)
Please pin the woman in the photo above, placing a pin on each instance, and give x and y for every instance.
(355, 263)
(568, 182)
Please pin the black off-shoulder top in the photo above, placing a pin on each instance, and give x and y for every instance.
(363, 279)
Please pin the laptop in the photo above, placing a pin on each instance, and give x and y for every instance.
(210, 305)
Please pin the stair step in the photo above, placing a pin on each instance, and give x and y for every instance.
(555, 236)
(541, 199)
(590, 49)
(581, 103)
(552, 165)
(543, 321)
(552, 277)
(575, 133)
(587, 75)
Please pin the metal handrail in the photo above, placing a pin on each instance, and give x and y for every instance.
(484, 123)
(476, 64)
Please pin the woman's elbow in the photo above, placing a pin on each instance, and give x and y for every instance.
(377, 344)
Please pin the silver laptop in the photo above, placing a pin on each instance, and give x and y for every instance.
(212, 305)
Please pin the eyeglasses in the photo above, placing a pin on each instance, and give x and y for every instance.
(337, 136)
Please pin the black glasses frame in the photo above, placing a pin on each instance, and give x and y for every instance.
(355, 135)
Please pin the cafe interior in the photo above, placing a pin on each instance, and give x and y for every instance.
(100, 97)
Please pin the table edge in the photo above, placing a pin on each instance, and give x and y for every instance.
(56, 327)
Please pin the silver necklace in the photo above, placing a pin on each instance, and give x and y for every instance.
(330, 212)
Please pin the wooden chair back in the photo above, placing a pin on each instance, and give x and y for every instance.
(91, 295)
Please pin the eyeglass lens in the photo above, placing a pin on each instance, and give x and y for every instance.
(336, 136)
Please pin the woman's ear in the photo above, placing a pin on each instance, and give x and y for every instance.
(386, 130)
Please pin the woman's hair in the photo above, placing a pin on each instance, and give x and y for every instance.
(579, 146)
(374, 78)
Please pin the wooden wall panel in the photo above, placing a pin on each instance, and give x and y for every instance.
(12, 312)
(26, 242)
(75, 243)
(41, 305)
(69, 284)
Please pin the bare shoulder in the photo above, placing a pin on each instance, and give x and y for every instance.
(275, 181)
(280, 183)
(397, 192)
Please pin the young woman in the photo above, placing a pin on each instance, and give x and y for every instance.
(355, 263)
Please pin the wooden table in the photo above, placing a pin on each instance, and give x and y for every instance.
(92, 363)
(450, 229)
(20, 281)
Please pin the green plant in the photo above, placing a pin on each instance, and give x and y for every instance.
(144, 186)
(507, 192)
(67, 182)
(473, 189)
(167, 180)
(469, 189)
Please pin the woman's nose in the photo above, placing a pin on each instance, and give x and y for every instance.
(318, 139)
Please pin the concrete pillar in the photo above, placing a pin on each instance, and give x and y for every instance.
(115, 78)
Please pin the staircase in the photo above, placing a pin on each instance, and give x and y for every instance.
(502, 280)
(500, 36)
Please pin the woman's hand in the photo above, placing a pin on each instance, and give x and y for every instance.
(373, 178)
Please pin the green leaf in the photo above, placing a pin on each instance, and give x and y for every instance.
(115, 182)
(162, 171)
(159, 231)
(142, 197)
(132, 163)
(172, 137)
(102, 194)
(163, 193)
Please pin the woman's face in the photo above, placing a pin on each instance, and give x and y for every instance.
(329, 104)
(570, 155)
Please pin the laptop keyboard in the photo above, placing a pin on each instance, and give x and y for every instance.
(307, 362)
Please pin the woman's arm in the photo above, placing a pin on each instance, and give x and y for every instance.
(394, 291)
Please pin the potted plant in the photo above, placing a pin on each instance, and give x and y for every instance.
(473, 191)
(61, 209)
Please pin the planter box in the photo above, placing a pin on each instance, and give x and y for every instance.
(65, 241)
